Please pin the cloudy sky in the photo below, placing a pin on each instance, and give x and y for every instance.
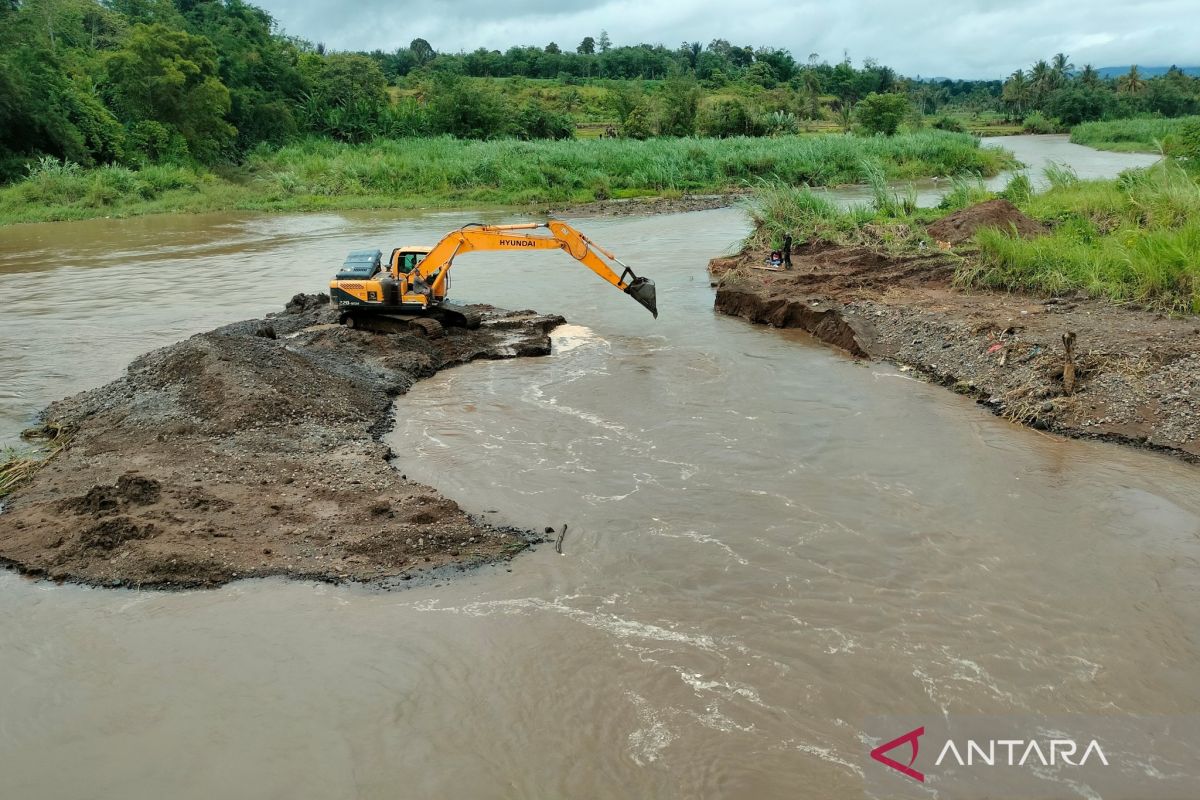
(966, 38)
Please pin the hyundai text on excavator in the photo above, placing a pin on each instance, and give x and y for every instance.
(411, 288)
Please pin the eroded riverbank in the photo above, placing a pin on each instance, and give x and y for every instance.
(254, 450)
(1131, 377)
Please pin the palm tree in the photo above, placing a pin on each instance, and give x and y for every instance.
(1131, 82)
(1016, 91)
(810, 84)
(1062, 67)
(1089, 77)
(1041, 80)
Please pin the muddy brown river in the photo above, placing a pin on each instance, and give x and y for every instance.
(768, 544)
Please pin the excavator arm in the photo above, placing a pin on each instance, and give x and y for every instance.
(553, 234)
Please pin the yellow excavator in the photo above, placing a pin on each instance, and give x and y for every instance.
(410, 290)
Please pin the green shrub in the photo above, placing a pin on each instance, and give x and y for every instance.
(882, 113)
(1037, 122)
(948, 123)
(1187, 144)
(965, 191)
(315, 172)
(150, 142)
(1147, 134)
(536, 121)
(727, 118)
(638, 124)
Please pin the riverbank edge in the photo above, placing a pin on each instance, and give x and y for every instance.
(985, 345)
(108, 509)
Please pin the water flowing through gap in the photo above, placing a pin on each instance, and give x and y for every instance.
(768, 542)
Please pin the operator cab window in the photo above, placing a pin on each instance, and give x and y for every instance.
(409, 262)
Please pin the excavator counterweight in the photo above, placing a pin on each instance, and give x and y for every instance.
(415, 281)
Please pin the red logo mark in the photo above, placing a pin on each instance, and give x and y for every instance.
(911, 738)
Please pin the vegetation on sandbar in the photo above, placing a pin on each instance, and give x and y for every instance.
(408, 173)
(1179, 136)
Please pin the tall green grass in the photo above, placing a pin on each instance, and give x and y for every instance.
(508, 171)
(780, 209)
(320, 173)
(1130, 135)
(1136, 238)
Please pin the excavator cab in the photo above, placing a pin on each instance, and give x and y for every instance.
(405, 259)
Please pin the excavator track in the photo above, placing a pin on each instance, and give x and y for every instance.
(394, 323)
(429, 328)
(458, 316)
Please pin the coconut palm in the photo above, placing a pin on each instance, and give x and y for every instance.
(1089, 77)
(1042, 81)
(1017, 91)
(1062, 66)
(810, 84)
(1131, 82)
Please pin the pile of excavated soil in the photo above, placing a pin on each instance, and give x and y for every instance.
(254, 450)
(1137, 372)
(961, 225)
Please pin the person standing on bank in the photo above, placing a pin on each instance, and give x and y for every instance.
(787, 251)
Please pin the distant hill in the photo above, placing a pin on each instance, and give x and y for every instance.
(1146, 72)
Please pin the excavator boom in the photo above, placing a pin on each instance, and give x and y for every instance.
(553, 234)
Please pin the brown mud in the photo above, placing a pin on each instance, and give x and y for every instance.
(1132, 376)
(254, 450)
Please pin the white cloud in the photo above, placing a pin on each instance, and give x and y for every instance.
(969, 38)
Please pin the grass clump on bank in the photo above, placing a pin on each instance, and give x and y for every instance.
(405, 173)
(18, 466)
(1143, 134)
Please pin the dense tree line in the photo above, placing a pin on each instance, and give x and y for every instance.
(148, 81)
(151, 81)
(1058, 92)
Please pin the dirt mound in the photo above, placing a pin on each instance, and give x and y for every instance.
(961, 225)
(130, 489)
(236, 454)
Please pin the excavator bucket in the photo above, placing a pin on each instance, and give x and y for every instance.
(642, 290)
